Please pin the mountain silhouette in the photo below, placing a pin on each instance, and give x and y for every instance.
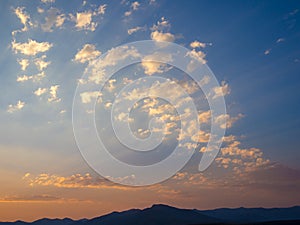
(160, 214)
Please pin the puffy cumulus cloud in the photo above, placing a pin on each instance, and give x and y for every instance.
(134, 29)
(53, 94)
(197, 55)
(197, 44)
(133, 7)
(151, 63)
(112, 57)
(159, 32)
(24, 63)
(13, 108)
(31, 47)
(84, 20)
(41, 64)
(204, 117)
(35, 78)
(53, 19)
(40, 91)
(227, 121)
(87, 53)
(161, 25)
(240, 159)
(24, 17)
(87, 97)
(221, 90)
(160, 36)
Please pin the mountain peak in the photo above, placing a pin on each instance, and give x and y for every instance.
(162, 206)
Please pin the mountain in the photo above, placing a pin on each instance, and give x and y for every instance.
(251, 215)
(156, 215)
(167, 215)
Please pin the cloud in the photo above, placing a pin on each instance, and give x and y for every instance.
(34, 78)
(40, 91)
(267, 52)
(227, 121)
(24, 63)
(134, 7)
(53, 19)
(280, 40)
(204, 117)
(47, 1)
(159, 32)
(24, 17)
(86, 97)
(87, 53)
(53, 94)
(84, 21)
(197, 44)
(41, 64)
(101, 9)
(112, 57)
(161, 25)
(160, 36)
(134, 29)
(31, 47)
(13, 108)
(221, 90)
(197, 55)
(73, 181)
(151, 63)
(37, 198)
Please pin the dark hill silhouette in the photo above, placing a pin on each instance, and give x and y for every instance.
(168, 215)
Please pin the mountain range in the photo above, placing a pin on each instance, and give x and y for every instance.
(160, 214)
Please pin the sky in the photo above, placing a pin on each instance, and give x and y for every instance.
(252, 48)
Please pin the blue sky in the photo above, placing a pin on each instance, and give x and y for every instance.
(252, 47)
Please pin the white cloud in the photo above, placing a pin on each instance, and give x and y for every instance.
(24, 17)
(280, 40)
(86, 97)
(40, 10)
(133, 30)
(197, 55)
(160, 36)
(53, 19)
(87, 53)
(152, 65)
(53, 94)
(267, 52)
(31, 47)
(16, 107)
(134, 7)
(34, 78)
(204, 117)
(40, 91)
(197, 44)
(47, 1)
(101, 10)
(113, 56)
(24, 63)
(41, 64)
(227, 121)
(221, 90)
(161, 25)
